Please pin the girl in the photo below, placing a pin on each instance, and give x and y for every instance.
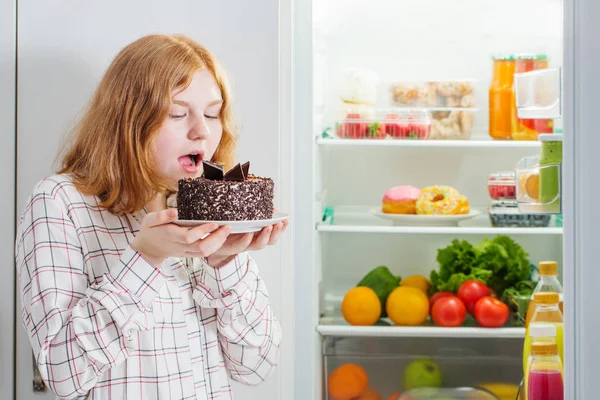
(118, 302)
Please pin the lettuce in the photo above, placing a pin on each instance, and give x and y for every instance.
(500, 263)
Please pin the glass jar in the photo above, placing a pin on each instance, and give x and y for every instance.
(502, 106)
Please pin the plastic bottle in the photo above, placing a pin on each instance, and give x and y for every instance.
(545, 378)
(548, 283)
(546, 312)
(539, 333)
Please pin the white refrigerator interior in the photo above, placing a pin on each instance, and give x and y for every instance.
(63, 49)
(404, 41)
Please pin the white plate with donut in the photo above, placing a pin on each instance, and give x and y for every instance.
(425, 220)
(238, 226)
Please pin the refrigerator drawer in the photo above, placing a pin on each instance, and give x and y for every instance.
(390, 364)
(539, 94)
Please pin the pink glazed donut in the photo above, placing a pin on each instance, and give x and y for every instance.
(400, 200)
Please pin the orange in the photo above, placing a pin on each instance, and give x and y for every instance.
(416, 281)
(407, 306)
(370, 394)
(394, 396)
(532, 186)
(361, 306)
(347, 382)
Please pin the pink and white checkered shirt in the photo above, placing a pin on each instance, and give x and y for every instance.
(105, 324)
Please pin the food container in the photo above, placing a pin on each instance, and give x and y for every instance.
(363, 122)
(359, 86)
(452, 123)
(452, 94)
(538, 93)
(506, 213)
(502, 185)
(502, 110)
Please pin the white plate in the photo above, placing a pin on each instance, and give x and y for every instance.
(425, 220)
(238, 226)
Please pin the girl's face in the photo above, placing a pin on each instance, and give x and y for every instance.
(192, 131)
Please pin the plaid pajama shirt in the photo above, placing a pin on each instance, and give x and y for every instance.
(105, 324)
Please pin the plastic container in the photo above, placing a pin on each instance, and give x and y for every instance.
(438, 94)
(529, 129)
(504, 217)
(538, 93)
(532, 196)
(453, 124)
(359, 86)
(502, 185)
(362, 122)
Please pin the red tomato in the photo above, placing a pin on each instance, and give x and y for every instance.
(491, 312)
(449, 312)
(436, 297)
(471, 291)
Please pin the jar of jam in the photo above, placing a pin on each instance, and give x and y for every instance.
(529, 129)
(502, 185)
(502, 106)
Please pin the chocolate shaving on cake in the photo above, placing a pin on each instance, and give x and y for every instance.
(246, 168)
(235, 174)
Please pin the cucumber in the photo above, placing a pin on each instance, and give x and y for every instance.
(383, 282)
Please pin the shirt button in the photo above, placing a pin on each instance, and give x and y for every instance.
(183, 275)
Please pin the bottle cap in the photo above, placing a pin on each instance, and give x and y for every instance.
(543, 349)
(546, 298)
(548, 268)
(542, 330)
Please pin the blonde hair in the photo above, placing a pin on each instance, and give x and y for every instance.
(109, 152)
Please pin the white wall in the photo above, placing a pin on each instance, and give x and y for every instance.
(7, 201)
(64, 47)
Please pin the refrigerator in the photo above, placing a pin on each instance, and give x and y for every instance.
(343, 167)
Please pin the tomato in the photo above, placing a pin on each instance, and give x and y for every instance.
(471, 291)
(436, 297)
(491, 312)
(449, 311)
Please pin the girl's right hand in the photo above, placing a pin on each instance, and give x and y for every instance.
(159, 239)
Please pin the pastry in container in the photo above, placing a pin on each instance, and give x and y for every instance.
(451, 124)
(452, 94)
(359, 86)
(502, 185)
(505, 213)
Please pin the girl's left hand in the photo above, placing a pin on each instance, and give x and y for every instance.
(240, 242)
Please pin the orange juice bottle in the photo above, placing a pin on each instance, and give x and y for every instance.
(548, 283)
(502, 106)
(546, 312)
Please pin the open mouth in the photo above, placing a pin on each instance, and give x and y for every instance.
(190, 160)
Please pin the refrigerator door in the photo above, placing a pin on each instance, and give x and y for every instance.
(581, 215)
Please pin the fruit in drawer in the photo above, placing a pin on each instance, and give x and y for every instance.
(383, 282)
(370, 394)
(347, 382)
(407, 306)
(424, 373)
(504, 391)
(416, 281)
(361, 306)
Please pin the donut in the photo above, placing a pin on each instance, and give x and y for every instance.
(441, 200)
(400, 200)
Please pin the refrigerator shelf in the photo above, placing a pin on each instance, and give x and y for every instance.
(336, 326)
(483, 144)
(442, 230)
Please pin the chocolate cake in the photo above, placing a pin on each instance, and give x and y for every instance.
(232, 196)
